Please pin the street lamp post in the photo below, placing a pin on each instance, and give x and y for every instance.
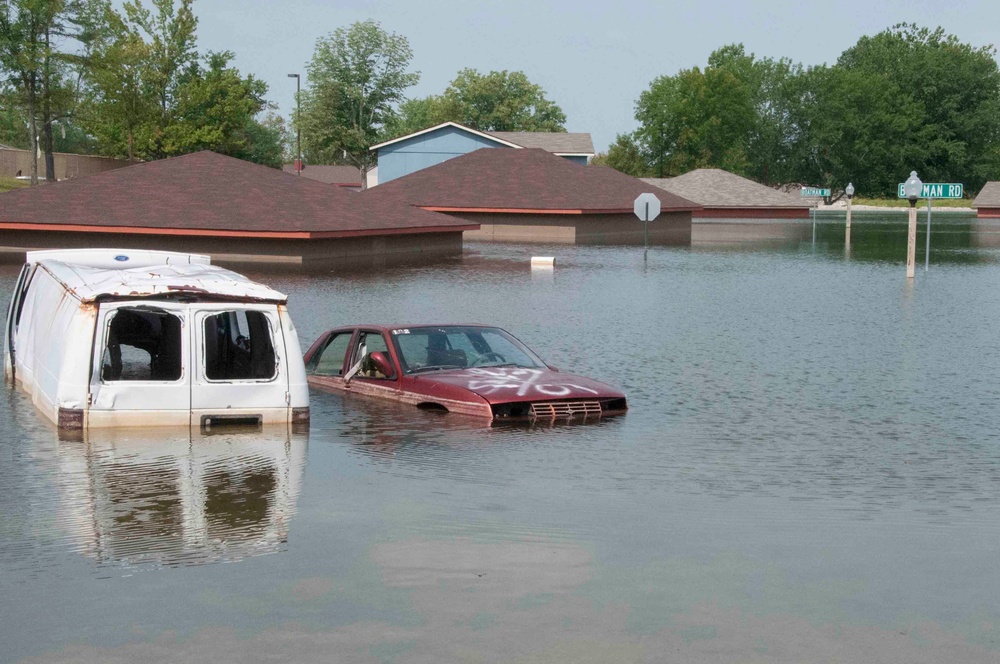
(912, 188)
(298, 122)
(850, 194)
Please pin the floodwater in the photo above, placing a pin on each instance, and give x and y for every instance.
(810, 471)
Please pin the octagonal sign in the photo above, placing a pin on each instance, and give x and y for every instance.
(647, 207)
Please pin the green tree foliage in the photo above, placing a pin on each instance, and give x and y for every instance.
(624, 155)
(214, 108)
(696, 119)
(907, 98)
(357, 77)
(35, 36)
(497, 101)
(151, 96)
(956, 90)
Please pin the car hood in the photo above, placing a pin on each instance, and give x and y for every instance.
(513, 384)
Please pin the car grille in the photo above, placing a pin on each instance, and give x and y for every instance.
(557, 409)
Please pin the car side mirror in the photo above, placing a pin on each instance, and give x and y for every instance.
(382, 363)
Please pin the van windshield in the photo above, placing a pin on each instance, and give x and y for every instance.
(142, 344)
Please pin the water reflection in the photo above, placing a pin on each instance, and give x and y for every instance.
(179, 498)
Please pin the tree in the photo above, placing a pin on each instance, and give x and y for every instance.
(624, 155)
(138, 62)
(30, 33)
(497, 101)
(956, 89)
(356, 79)
(215, 109)
(855, 127)
(696, 119)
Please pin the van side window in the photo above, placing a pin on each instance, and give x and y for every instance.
(142, 344)
(329, 360)
(239, 346)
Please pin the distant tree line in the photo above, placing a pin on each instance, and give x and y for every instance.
(81, 76)
(908, 98)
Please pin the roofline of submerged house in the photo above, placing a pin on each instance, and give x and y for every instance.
(200, 232)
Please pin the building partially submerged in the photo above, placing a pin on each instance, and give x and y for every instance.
(531, 195)
(338, 175)
(423, 149)
(233, 210)
(725, 195)
(987, 203)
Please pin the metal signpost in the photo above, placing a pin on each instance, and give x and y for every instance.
(813, 192)
(930, 191)
(647, 208)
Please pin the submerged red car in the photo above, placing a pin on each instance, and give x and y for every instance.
(469, 369)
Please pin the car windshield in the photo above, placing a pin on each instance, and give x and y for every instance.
(459, 347)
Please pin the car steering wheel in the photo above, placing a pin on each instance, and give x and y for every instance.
(485, 357)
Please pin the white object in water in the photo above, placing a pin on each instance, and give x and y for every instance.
(543, 261)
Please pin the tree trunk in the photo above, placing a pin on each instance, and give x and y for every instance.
(50, 165)
(32, 127)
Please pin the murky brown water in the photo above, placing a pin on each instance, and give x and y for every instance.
(810, 472)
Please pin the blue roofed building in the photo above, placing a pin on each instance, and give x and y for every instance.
(413, 152)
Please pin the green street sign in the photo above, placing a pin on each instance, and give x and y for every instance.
(937, 190)
(813, 191)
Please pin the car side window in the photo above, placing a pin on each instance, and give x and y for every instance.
(329, 360)
(366, 344)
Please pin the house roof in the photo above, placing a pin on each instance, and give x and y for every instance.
(208, 194)
(328, 173)
(561, 143)
(989, 196)
(716, 188)
(522, 181)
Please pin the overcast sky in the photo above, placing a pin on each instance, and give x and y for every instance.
(591, 58)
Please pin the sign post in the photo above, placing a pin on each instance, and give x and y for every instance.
(930, 191)
(647, 208)
(813, 192)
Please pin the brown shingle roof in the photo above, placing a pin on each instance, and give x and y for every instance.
(716, 188)
(525, 180)
(328, 173)
(206, 192)
(551, 141)
(989, 196)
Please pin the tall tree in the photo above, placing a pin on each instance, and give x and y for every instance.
(696, 119)
(357, 77)
(215, 109)
(956, 86)
(498, 101)
(625, 156)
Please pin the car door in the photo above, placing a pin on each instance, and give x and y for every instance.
(327, 361)
(239, 374)
(362, 377)
(140, 373)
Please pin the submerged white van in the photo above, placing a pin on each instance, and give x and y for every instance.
(108, 337)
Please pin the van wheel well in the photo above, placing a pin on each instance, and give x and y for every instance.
(433, 406)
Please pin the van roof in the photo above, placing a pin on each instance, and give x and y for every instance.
(92, 283)
(116, 258)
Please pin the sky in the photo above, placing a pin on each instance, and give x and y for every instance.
(593, 59)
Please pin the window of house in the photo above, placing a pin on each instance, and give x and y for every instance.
(239, 346)
(142, 344)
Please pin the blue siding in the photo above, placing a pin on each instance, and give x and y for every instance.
(577, 160)
(428, 149)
